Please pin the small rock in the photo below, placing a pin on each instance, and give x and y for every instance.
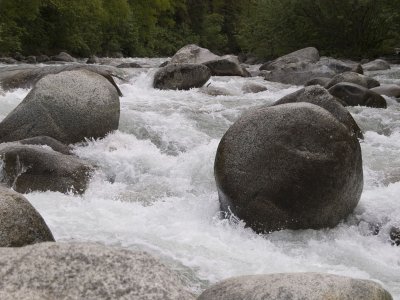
(31, 59)
(395, 235)
(63, 56)
(251, 87)
(93, 60)
(129, 65)
(42, 58)
(215, 91)
(8, 60)
(322, 81)
(352, 77)
(20, 223)
(376, 65)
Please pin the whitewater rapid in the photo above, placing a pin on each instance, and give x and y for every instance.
(154, 189)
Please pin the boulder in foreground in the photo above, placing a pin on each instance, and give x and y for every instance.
(85, 271)
(296, 286)
(20, 223)
(274, 165)
(69, 106)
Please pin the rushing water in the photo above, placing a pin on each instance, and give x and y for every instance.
(155, 189)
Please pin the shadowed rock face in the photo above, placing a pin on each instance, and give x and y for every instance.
(289, 166)
(47, 141)
(319, 96)
(20, 223)
(225, 67)
(69, 106)
(296, 286)
(352, 77)
(28, 168)
(354, 95)
(86, 271)
(181, 77)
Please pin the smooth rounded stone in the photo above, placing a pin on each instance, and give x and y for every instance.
(31, 59)
(340, 66)
(376, 65)
(181, 77)
(356, 95)
(395, 235)
(8, 60)
(47, 141)
(300, 76)
(129, 65)
(296, 286)
(322, 81)
(93, 60)
(63, 56)
(18, 56)
(225, 67)
(86, 271)
(193, 54)
(294, 60)
(42, 58)
(251, 87)
(215, 91)
(352, 77)
(20, 223)
(390, 90)
(70, 107)
(319, 96)
(27, 76)
(28, 168)
(274, 165)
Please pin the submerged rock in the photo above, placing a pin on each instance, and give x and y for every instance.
(354, 95)
(28, 168)
(69, 106)
(355, 78)
(20, 223)
(181, 77)
(319, 96)
(251, 87)
(86, 271)
(215, 91)
(376, 65)
(274, 165)
(296, 286)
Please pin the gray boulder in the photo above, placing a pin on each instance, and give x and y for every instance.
(319, 96)
(355, 95)
(42, 58)
(8, 60)
(181, 77)
(93, 60)
(355, 78)
(47, 141)
(376, 65)
(86, 271)
(31, 59)
(20, 223)
(296, 286)
(215, 91)
(193, 54)
(322, 81)
(64, 57)
(299, 76)
(129, 65)
(69, 106)
(27, 76)
(225, 67)
(251, 87)
(390, 90)
(340, 66)
(274, 165)
(28, 168)
(296, 60)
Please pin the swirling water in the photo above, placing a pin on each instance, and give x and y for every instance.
(155, 190)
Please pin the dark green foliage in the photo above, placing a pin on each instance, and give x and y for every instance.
(266, 28)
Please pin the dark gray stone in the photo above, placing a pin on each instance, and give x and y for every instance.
(215, 91)
(251, 87)
(295, 60)
(42, 58)
(225, 67)
(69, 106)
(181, 77)
(322, 81)
(85, 271)
(63, 56)
(93, 60)
(296, 286)
(31, 59)
(20, 223)
(129, 65)
(340, 66)
(395, 235)
(47, 141)
(274, 165)
(300, 76)
(354, 95)
(376, 65)
(8, 60)
(390, 90)
(319, 96)
(352, 77)
(28, 168)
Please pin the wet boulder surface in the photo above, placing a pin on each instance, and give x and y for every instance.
(352, 77)
(292, 166)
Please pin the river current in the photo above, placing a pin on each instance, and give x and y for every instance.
(155, 190)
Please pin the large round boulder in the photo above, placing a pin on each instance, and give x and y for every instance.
(69, 106)
(86, 271)
(20, 223)
(28, 168)
(322, 81)
(294, 60)
(296, 286)
(181, 77)
(355, 95)
(319, 96)
(376, 65)
(290, 166)
(390, 90)
(352, 77)
(193, 54)
(225, 67)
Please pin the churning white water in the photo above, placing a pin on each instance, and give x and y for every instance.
(154, 190)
